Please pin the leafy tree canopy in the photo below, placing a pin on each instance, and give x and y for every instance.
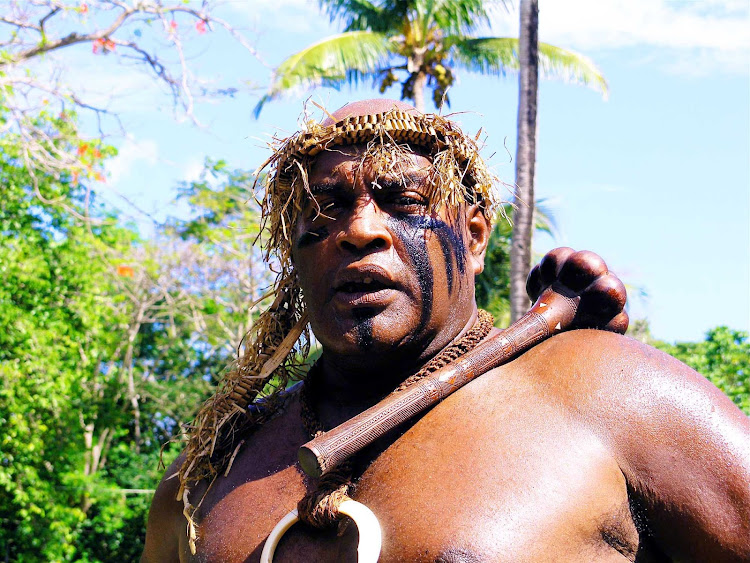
(108, 342)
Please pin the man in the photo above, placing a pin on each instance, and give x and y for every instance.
(588, 447)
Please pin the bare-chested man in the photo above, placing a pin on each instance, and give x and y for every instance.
(589, 447)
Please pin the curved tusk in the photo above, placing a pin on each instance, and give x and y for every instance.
(370, 535)
(275, 536)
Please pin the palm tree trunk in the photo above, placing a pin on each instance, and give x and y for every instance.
(523, 216)
(414, 65)
(419, 85)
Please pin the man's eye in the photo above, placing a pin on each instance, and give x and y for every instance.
(409, 200)
(322, 208)
(331, 206)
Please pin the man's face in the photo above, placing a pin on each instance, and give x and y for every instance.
(381, 274)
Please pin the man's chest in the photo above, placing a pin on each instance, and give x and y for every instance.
(464, 484)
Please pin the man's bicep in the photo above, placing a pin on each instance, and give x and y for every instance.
(162, 539)
(685, 450)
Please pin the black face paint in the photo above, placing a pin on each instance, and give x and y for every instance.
(363, 328)
(313, 236)
(451, 243)
(410, 231)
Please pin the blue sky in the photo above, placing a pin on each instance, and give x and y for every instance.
(656, 178)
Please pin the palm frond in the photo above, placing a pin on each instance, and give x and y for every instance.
(460, 16)
(336, 60)
(360, 15)
(499, 55)
(572, 67)
(544, 218)
(486, 55)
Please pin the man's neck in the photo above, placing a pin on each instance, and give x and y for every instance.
(348, 386)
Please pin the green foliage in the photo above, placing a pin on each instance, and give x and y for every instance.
(226, 253)
(723, 357)
(224, 203)
(492, 288)
(107, 343)
(103, 335)
(55, 318)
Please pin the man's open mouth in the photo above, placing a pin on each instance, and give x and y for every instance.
(364, 286)
(368, 284)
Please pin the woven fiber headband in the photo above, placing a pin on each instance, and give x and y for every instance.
(429, 131)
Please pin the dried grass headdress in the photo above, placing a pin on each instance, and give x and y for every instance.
(279, 341)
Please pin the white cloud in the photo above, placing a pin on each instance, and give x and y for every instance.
(686, 36)
(131, 154)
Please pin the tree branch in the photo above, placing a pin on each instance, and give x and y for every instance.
(32, 36)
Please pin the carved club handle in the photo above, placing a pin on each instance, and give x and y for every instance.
(553, 312)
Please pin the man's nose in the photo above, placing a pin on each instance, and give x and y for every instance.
(365, 229)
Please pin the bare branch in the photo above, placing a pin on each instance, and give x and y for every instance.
(18, 23)
(51, 13)
(112, 28)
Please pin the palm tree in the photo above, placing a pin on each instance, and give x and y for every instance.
(418, 43)
(520, 254)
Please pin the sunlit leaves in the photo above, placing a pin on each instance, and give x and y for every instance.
(723, 357)
(86, 308)
(335, 60)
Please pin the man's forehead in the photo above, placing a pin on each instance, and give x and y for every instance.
(394, 134)
(379, 159)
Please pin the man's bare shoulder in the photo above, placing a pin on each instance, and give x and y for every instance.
(262, 452)
(678, 440)
(628, 391)
(162, 543)
(589, 368)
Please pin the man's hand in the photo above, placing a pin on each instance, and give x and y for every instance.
(583, 274)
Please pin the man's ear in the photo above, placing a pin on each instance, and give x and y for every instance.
(479, 229)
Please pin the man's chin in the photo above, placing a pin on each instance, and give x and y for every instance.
(360, 343)
(365, 332)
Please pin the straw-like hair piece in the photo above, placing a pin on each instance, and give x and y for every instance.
(279, 341)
